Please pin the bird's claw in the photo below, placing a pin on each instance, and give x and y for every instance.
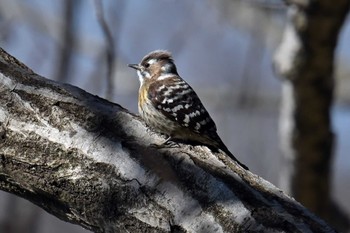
(168, 143)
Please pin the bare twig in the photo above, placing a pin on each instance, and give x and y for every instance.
(110, 48)
(65, 53)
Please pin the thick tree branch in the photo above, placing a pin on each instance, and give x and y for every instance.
(88, 161)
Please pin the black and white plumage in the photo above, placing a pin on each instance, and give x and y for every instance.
(170, 106)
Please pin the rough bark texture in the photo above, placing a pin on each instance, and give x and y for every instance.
(305, 60)
(89, 162)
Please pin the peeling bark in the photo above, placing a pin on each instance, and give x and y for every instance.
(89, 161)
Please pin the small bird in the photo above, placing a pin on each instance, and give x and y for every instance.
(170, 106)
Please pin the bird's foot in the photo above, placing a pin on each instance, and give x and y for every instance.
(168, 143)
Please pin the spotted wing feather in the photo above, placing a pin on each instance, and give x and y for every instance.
(179, 103)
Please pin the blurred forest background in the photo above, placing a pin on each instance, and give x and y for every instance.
(224, 49)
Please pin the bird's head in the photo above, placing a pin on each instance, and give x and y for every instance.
(155, 65)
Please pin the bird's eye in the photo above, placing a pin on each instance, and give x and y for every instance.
(147, 65)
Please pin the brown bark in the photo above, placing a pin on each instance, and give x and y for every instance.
(89, 162)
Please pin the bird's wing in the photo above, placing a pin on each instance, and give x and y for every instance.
(179, 102)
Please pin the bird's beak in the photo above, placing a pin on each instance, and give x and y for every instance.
(135, 66)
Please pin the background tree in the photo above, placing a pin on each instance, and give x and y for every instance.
(305, 60)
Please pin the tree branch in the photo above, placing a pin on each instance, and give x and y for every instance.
(88, 161)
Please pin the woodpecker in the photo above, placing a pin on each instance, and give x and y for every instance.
(170, 106)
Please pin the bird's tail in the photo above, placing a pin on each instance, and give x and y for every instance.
(223, 147)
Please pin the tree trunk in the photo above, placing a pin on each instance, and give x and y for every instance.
(89, 162)
(305, 60)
